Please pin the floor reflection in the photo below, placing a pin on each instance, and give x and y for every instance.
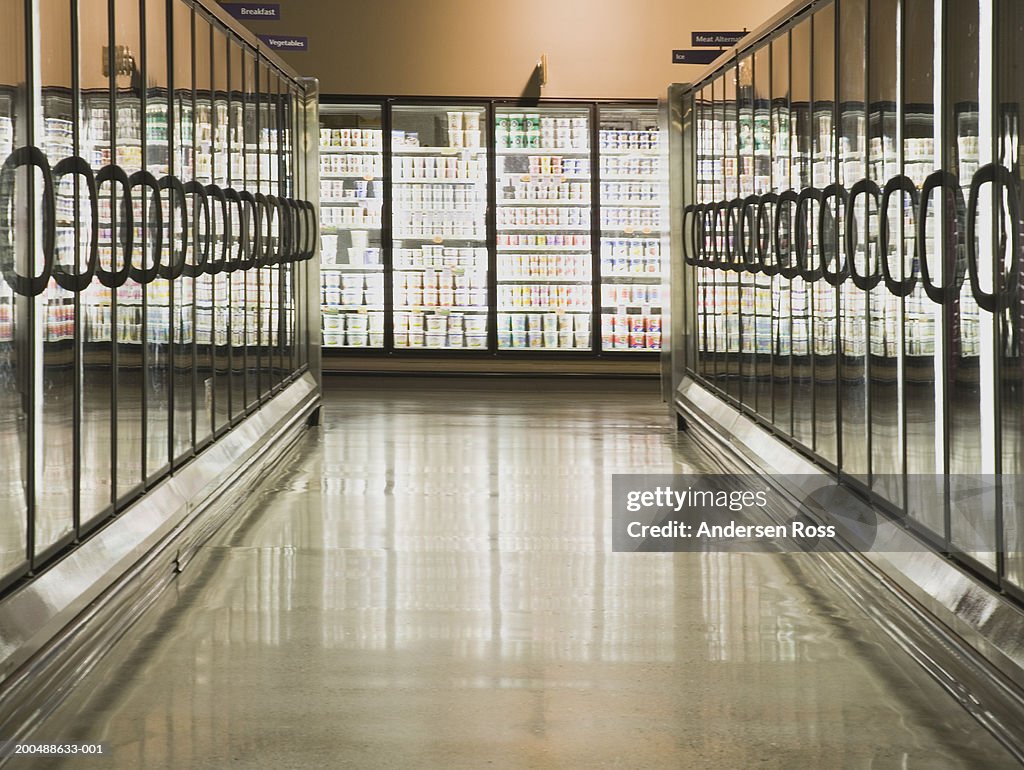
(429, 583)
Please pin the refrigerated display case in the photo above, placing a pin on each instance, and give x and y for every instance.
(861, 162)
(633, 197)
(525, 236)
(351, 211)
(125, 260)
(133, 412)
(543, 228)
(883, 208)
(439, 172)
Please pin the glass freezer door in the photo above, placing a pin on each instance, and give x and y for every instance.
(439, 201)
(95, 303)
(15, 366)
(351, 198)
(203, 284)
(543, 228)
(128, 303)
(56, 316)
(633, 191)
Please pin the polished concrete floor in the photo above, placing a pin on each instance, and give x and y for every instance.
(429, 583)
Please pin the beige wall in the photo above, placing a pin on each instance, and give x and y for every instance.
(595, 48)
(55, 59)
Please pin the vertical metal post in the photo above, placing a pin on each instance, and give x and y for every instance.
(310, 270)
(29, 354)
(492, 230)
(386, 223)
(595, 231)
(79, 342)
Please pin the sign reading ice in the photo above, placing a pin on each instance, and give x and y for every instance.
(690, 56)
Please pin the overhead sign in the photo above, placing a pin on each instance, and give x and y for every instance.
(699, 56)
(286, 42)
(254, 11)
(716, 39)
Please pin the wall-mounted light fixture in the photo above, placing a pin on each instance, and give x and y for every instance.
(124, 61)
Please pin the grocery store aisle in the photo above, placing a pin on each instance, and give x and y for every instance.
(428, 583)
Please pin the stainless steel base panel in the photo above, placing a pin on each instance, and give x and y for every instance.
(55, 628)
(969, 637)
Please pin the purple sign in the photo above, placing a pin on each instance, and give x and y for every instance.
(694, 56)
(716, 39)
(254, 11)
(286, 42)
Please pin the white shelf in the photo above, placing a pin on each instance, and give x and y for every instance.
(563, 177)
(359, 268)
(480, 209)
(452, 268)
(559, 249)
(543, 151)
(629, 306)
(546, 350)
(649, 276)
(546, 228)
(537, 309)
(436, 180)
(352, 175)
(545, 204)
(436, 308)
(618, 151)
(481, 349)
(346, 201)
(439, 151)
(370, 226)
(633, 178)
(351, 150)
(440, 239)
(548, 280)
(353, 308)
(633, 204)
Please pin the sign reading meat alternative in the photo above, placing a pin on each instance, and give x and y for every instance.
(716, 39)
